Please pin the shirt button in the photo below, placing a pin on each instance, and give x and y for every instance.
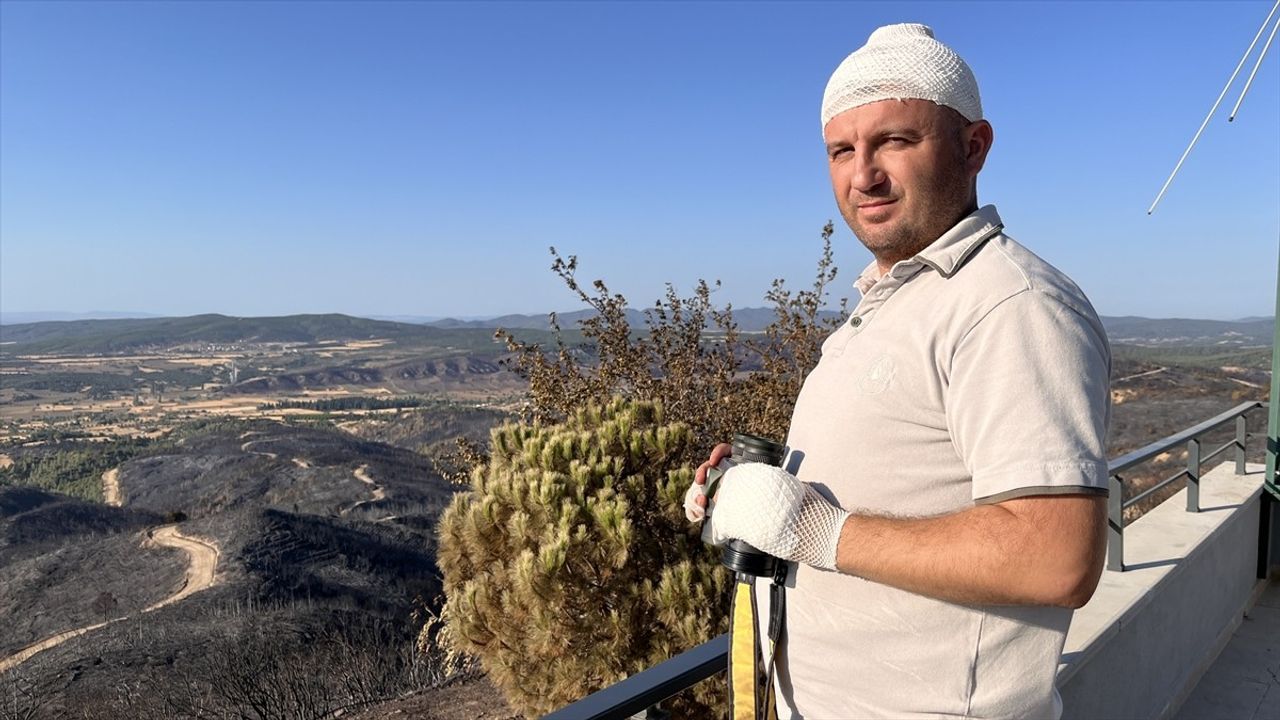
(855, 321)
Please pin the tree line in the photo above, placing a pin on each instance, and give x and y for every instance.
(346, 403)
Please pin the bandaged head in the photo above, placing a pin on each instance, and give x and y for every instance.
(901, 62)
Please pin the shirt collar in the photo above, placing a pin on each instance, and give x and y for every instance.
(869, 277)
(948, 252)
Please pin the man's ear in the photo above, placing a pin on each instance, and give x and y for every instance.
(977, 137)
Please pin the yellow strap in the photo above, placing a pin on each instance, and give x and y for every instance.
(748, 700)
(743, 646)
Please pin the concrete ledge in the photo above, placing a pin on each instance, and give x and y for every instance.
(1143, 641)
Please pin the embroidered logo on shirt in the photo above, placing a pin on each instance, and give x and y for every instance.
(879, 376)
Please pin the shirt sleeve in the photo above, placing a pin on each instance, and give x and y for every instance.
(1029, 400)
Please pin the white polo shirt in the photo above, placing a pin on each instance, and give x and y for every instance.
(974, 372)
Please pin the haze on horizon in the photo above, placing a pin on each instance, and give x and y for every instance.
(419, 158)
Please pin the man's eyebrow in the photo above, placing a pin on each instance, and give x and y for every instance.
(898, 131)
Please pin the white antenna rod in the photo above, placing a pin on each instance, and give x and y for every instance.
(1256, 65)
(1214, 109)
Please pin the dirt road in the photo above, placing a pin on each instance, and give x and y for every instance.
(111, 487)
(202, 562)
(25, 653)
(245, 448)
(1138, 375)
(362, 475)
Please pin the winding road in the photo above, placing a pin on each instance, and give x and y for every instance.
(201, 566)
(362, 474)
(244, 447)
(202, 563)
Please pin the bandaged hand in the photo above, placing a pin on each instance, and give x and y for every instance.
(776, 513)
(695, 499)
(693, 511)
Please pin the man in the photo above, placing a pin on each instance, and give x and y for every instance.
(944, 495)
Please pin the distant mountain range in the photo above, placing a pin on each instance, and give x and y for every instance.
(118, 335)
(1181, 331)
(134, 332)
(748, 320)
(1127, 329)
(18, 318)
(125, 335)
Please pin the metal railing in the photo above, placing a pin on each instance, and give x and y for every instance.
(641, 692)
(1117, 503)
(638, 695)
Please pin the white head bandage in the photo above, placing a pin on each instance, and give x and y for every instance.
(902, 62)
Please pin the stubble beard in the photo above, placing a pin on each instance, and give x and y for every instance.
(945, 202)
(888, 243)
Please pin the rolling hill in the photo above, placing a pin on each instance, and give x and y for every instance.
(122, 335)
(1182, 331)
(129, 335)
(325, 546)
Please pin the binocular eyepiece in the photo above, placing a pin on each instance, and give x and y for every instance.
(737, 555)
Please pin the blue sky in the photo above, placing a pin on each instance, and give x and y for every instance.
(419, 158)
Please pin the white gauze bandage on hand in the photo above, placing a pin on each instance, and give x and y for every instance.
(775, 512)
(692, 510)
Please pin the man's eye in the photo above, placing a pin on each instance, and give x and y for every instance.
(840, 151)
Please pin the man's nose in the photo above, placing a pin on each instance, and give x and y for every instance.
(867, 174)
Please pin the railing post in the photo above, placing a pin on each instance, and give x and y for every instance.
(1242, 435)
(1115, 524)
(1193, 475)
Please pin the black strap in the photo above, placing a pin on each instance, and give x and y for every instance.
(778, 602)
(777, 622)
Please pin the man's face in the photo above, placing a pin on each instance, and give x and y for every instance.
(903, 173)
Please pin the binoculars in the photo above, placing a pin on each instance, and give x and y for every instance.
(738, 555)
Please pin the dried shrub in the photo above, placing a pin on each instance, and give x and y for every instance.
(568, 564)
(690, 356)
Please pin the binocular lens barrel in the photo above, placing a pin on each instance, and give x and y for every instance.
(753, 448)
(737, 555)
(740, 557)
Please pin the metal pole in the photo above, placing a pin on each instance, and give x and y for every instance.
(1242, 440)
(1264, 537)
(1256, 65)
(1214, 109)
(1266, 518)
(1273, 410)
(1115, 524)
(1193, 475)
